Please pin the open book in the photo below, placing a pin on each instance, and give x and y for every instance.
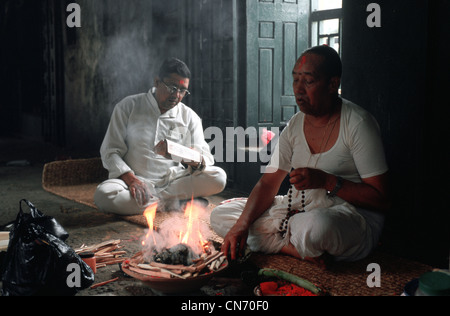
(177, 152)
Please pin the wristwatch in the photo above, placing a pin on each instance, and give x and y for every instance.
(337, 187)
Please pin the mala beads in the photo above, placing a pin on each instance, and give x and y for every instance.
(284, 223)
(291, 212)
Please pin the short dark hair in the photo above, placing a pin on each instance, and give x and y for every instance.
(173, 65)
(332, 64)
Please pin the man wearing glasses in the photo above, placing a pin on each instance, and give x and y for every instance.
(138, 176)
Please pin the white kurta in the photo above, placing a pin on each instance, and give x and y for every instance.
(136, 127)
(329, 224)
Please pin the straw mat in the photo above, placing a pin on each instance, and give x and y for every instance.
(75, 180)
(350, 278)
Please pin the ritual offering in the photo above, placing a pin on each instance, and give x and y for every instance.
(176, 257)
(281, 283)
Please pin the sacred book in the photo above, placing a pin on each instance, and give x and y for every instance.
(177, 152)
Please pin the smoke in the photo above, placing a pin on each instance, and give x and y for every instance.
(178, 229)
(128, 65)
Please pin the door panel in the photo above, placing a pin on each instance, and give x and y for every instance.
(277, 32)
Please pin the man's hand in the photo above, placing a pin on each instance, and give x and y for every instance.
(138, 189)
(235, 241)
(161, 149)
(307, 178)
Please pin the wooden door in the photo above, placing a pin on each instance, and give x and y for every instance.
(277, 33)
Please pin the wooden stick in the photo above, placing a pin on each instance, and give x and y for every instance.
(112, 261)
(137, 255)
(101, 257)
(147, 267)
(172, 267)
(105, 250)
(150, 273)
(96, 247)
(103, 283)
(219, 262)
(211, 258)
(175, 273)
(208, 260)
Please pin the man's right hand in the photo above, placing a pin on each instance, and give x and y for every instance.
(138, 189)
(235, 242)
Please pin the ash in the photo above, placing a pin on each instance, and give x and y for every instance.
(179, 254)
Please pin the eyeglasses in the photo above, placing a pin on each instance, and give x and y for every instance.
(173, 89)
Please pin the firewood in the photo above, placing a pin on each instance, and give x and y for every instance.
(175, 273)
(212, 257)
(103, 283)
(102, 257)
(105, 253)
(172, 267)
(148, 267)
(137, 256)
(112, 261)
(110, 249)
(187, 274)
(150, 273)
(97, 247)
(105, 250)
(219, 262)
(208, 260)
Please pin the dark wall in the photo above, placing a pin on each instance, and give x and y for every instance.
(395, 72)
(116, 53)
(108, 58)
(21, 66)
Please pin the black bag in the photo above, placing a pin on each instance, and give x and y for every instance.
(39, 262)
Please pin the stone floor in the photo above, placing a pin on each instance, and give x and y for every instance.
(21, 164)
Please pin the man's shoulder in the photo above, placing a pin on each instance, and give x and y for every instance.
(295, 120)
(187, 111)
(133, 98)
(130, 102)
(355, 111)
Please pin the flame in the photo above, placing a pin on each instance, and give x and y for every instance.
(150, 214)
(185, 230)
(192, 235)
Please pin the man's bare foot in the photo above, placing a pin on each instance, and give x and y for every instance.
(322, 261)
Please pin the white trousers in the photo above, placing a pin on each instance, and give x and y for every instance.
(329, 225)
(113, 195)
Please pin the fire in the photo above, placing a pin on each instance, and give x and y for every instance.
(192, 235)
(174, 230)
(150, 214)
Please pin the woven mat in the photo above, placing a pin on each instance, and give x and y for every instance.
(350, 278)
(75, 180)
